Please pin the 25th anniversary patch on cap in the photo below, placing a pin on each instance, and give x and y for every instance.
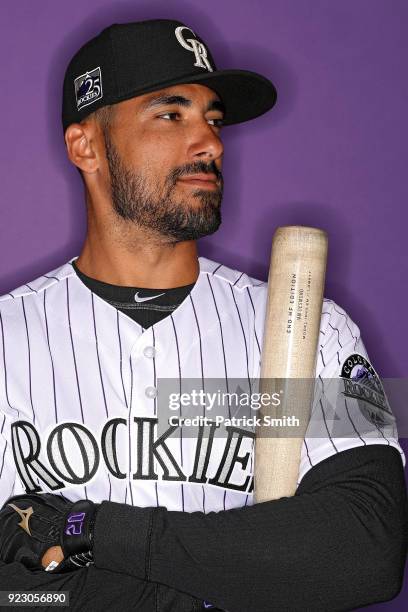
(88, 88)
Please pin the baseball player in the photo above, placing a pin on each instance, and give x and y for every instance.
(95, 498)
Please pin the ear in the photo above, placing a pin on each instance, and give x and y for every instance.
(82, 146)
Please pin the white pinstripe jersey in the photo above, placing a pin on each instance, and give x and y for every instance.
(78, 381)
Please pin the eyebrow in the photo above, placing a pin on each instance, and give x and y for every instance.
(165, 99)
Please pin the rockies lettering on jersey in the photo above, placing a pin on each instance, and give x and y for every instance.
(79, 385)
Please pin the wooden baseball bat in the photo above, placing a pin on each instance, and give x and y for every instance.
(288, 360)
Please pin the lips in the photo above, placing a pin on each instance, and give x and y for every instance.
(203, 181)
(202, 178)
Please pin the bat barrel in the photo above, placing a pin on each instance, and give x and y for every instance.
(292, 320)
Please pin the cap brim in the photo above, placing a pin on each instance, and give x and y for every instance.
(246, 94)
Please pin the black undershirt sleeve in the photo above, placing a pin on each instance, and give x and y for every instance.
(340, 543)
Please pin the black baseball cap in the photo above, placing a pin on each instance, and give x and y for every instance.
(130, 59)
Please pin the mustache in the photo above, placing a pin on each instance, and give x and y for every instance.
(195, 168)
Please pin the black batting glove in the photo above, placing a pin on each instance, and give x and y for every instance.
(31, 523)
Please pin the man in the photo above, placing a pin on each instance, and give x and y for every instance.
(84, 348)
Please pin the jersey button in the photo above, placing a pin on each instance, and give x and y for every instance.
(151, 392)
(149, 351)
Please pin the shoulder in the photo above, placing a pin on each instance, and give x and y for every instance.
(230, 277)
(336, 322)
(232, 289)
(34, 290)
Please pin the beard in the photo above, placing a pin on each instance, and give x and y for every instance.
(157, 208)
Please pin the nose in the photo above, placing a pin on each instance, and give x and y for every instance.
(206, 142)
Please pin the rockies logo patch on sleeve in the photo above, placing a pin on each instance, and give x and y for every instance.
(362, 382)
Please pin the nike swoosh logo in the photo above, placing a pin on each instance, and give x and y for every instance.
(144, 299)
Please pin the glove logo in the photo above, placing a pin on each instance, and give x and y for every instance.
(25, 516)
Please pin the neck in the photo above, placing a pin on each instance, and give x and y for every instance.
(118, 253)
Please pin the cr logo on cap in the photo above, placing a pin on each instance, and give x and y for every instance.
(195, 46)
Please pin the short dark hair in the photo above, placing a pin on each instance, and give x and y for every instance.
(104, 116)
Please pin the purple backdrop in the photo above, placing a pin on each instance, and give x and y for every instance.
(332, 153)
